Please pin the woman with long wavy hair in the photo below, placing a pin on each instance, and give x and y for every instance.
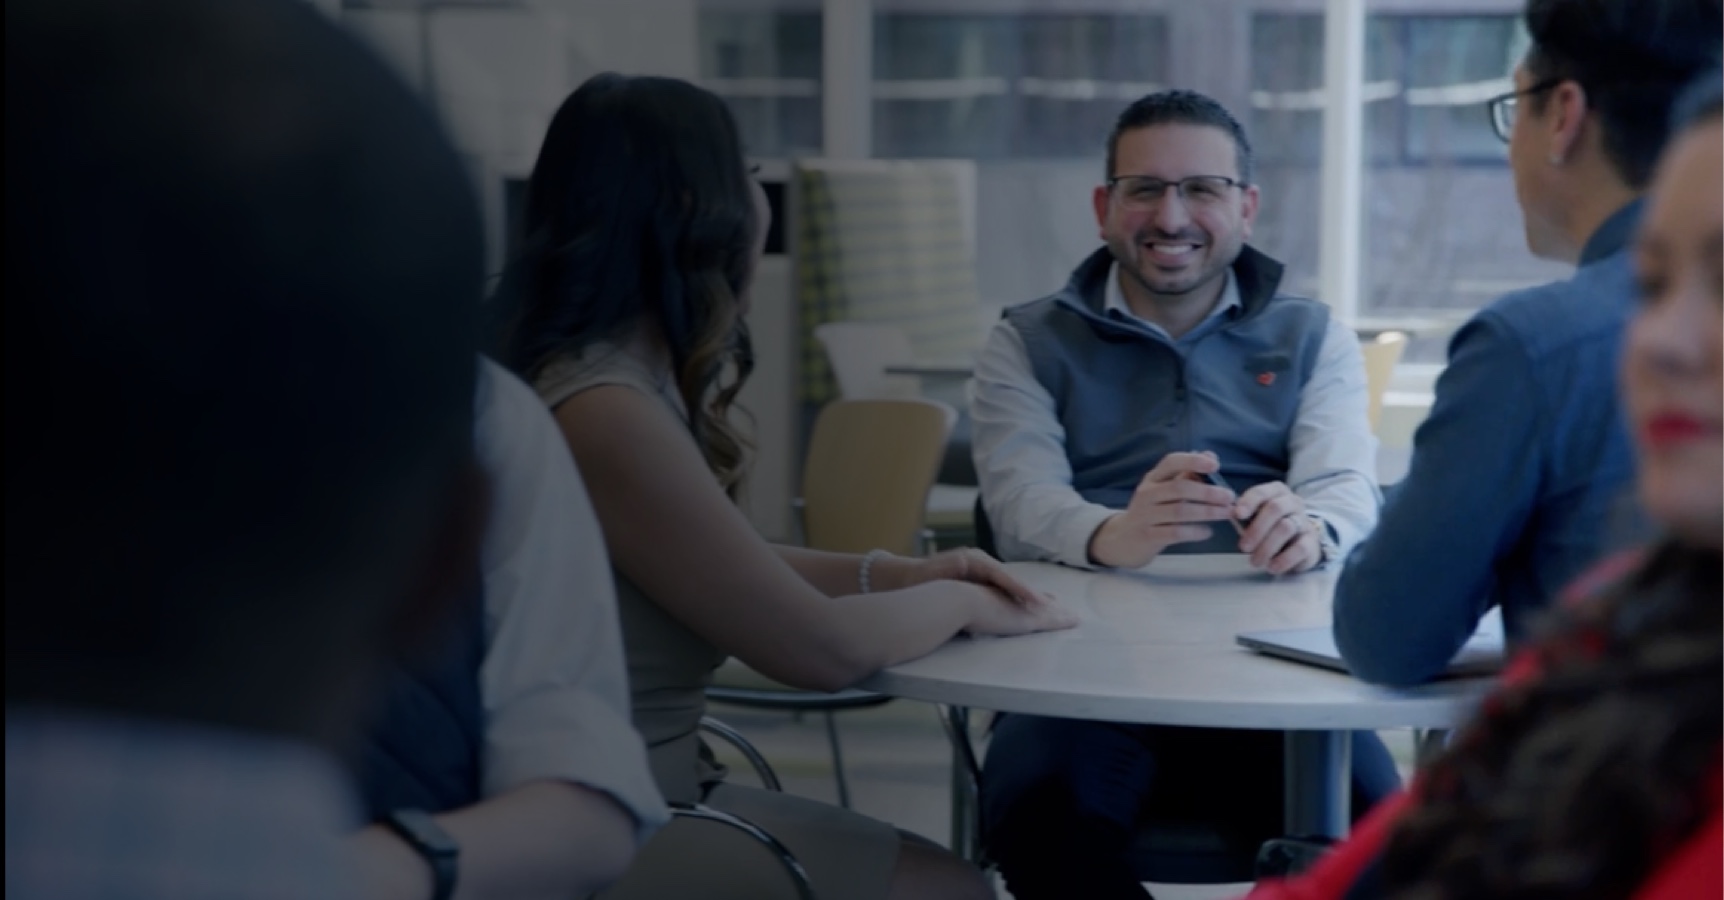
(625, 309)
(1595, 772)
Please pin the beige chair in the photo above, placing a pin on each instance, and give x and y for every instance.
(869, 468)
(859, 353)
(1381, 355)
(865, 485)
(882, 242)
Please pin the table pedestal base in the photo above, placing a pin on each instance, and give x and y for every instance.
(1319, 784)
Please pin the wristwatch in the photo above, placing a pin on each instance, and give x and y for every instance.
(423, 834)
(1328, 548)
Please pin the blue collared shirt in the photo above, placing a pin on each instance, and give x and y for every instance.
(1514, 479)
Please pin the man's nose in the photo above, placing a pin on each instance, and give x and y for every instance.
(1170, 214)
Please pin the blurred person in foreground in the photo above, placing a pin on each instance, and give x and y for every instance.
(249, 274)
(1521, 467)
(1595, 772)
(242, 266)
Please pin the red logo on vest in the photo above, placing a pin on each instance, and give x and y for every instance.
(1266, 379)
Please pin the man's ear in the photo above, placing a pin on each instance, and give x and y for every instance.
(1566, 113)
(1100, 200)
(450, 569)
(1249, 200)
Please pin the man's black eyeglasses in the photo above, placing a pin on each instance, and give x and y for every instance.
(1140, 192)
(1503, 107)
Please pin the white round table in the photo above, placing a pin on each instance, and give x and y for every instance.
(1157, 646)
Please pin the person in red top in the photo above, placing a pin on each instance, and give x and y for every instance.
(1595, 770)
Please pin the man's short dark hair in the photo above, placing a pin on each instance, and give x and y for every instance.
(1180, 107)
(1633, 58)
(243, 271)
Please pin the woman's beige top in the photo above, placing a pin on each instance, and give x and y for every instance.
(669, 666)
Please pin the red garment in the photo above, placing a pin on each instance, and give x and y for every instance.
(1693, 871)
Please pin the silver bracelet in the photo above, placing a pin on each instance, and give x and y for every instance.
(867, 564)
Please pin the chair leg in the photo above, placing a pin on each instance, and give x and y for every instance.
(1427, 744)
(837, 760)
(792, 867)
(768, 778)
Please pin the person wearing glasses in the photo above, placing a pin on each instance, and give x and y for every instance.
(1521, 473)
(1171, 355)
(1595, 769)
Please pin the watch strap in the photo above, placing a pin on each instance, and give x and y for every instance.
(433, 844)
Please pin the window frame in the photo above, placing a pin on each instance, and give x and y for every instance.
(1017, 100)
(1400, 19)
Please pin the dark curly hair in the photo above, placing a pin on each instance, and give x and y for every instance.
(1576, 783)
(638, 211)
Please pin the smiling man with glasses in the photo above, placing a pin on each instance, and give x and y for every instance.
(1173, 340)
(1100, 413)
(1519, 475)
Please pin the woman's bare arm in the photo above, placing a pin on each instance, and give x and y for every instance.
(673, 533)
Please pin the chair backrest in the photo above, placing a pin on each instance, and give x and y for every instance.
(1381, 355)
(869, 467)
(884, 241)
(859, 353)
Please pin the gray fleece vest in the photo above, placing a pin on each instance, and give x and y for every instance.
(1128, 396)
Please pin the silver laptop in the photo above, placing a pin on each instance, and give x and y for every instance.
(1482, 654)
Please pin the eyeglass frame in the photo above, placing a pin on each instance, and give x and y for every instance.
(1178, 184)
(1511, 100)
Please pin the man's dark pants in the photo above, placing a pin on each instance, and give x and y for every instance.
(1063, 798)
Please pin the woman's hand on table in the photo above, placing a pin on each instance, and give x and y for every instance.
(999, 602)
(964, 564)
(994, 613)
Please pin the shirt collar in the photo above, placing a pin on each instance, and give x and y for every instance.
(1114, 305)
(1613, 234)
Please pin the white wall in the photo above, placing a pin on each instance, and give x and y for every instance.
(496, 75)
(637, 37)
